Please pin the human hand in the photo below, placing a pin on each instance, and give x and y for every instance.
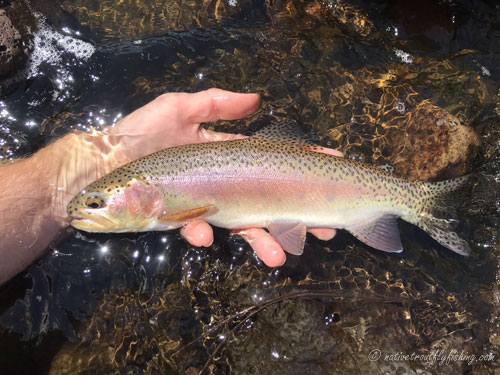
(174, 119)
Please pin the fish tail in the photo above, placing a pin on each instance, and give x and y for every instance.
(437, 213)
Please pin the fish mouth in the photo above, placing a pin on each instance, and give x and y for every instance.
(99, 220)
(93, 221)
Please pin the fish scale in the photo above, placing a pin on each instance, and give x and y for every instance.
(275, 179)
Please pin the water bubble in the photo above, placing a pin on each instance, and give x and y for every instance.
(332, 318)
(117, 118)
(485, 71)
(400, 107)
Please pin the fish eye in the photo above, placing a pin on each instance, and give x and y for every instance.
(94, 202)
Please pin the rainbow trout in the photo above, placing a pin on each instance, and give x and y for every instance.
(273, 179)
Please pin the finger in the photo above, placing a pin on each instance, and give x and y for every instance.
(217, 104)
(211, 136)
(198, 233)
(324, 234)
(264, 245)
(325, 150)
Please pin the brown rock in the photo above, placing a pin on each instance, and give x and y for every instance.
(432, 144)
(17, 24)
(9, 36)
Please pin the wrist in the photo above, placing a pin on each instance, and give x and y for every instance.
(73, 162)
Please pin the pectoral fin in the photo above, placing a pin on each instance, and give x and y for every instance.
(189, 215)
(381, 234)
(291, 236)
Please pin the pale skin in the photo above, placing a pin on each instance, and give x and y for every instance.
(34, 192)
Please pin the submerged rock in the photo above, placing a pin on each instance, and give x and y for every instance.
(118, 19)
(17, 25)
(432, 145)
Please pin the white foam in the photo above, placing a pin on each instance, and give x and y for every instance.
(49, 45)
(403, 56)
(49, 48)
(485, 71)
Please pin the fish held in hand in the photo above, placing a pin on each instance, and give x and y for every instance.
(275, 180)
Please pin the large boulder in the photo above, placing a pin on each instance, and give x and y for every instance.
(17, 25)
(432, 144)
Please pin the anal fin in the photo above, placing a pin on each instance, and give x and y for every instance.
(291, 236)
(381, 234)
(189, 215)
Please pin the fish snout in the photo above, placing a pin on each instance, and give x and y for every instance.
(93, 220)
(103, 220)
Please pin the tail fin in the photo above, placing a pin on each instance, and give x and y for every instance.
(438, 218)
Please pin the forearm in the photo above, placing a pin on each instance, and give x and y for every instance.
(35, 191)
(24, 215)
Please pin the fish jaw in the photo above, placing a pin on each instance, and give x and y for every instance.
(100, 221)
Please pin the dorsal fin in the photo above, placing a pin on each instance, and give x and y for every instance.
(285, 131)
